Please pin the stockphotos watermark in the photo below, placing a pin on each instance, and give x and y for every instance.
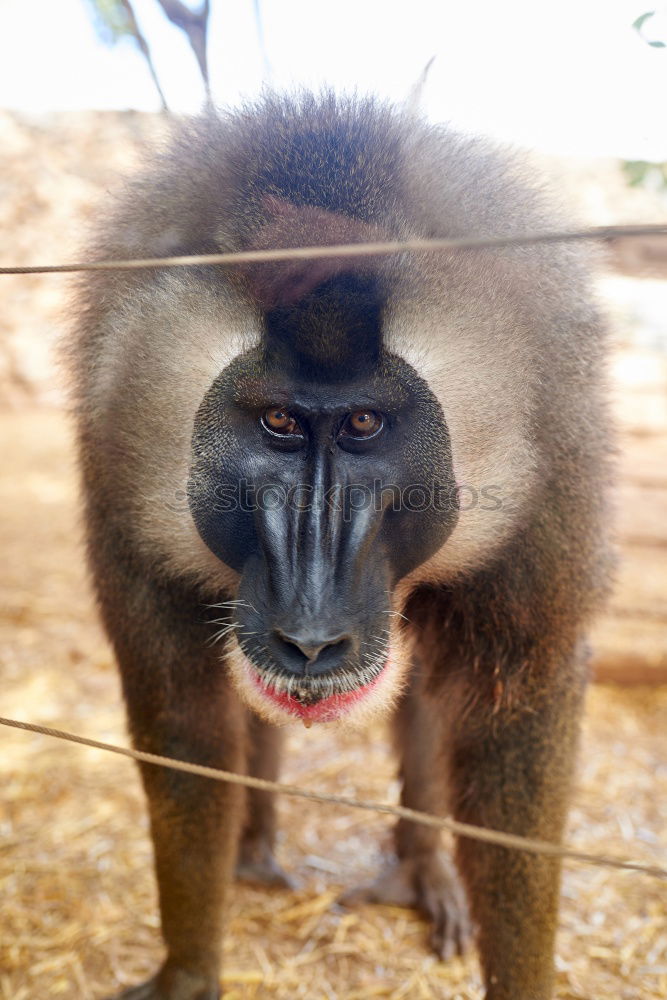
(349, 498)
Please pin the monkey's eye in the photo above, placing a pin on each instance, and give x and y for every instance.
(279, 421)
(362, 424)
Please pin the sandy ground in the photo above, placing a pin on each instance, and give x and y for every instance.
(78, 917)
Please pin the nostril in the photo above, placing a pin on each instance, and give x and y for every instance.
(315, 652)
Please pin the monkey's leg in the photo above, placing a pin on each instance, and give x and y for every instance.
(256, 861)
(423, 875)
(180, 704)
(512, 771)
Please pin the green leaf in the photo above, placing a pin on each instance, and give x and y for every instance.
(644, 173)
(111, 20)
(639, 23)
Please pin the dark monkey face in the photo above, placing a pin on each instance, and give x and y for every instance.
(323, 477)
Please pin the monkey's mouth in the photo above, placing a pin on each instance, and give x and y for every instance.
(364, 688)
(312, 704)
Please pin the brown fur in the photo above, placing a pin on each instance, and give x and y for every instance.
(512, 347)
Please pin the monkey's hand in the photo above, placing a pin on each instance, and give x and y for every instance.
(257, 864)
(429, 883)
(172, 984)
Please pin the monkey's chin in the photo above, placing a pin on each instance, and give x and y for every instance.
(354, 708)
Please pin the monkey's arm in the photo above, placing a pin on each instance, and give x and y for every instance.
(513, 772)
(180, 704)
(509, 671)
(422, 875)
(503, 677)
(256, 862)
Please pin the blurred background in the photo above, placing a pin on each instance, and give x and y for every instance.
(578, 88)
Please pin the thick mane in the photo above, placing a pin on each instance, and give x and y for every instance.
(308, 183)
(343, 155)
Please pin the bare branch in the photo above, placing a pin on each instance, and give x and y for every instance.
(194, 23)
(146, 52)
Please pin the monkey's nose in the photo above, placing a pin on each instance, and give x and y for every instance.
(308, 652)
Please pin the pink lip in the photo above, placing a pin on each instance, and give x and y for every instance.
(325, 710)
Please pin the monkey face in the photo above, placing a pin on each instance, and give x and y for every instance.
(322, 494)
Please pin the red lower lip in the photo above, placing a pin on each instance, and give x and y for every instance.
(325, 710)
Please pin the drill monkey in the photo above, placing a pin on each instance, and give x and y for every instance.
(325, 424)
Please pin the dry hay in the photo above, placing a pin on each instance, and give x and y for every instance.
(78, 916)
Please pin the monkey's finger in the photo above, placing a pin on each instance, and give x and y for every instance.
(267, 874)
(392, 887)
(447, 909)
(452, 932)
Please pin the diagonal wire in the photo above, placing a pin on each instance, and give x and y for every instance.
(480, 833)
(384, 249)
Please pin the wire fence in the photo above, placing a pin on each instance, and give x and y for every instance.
(385, 248)
(498, 837)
